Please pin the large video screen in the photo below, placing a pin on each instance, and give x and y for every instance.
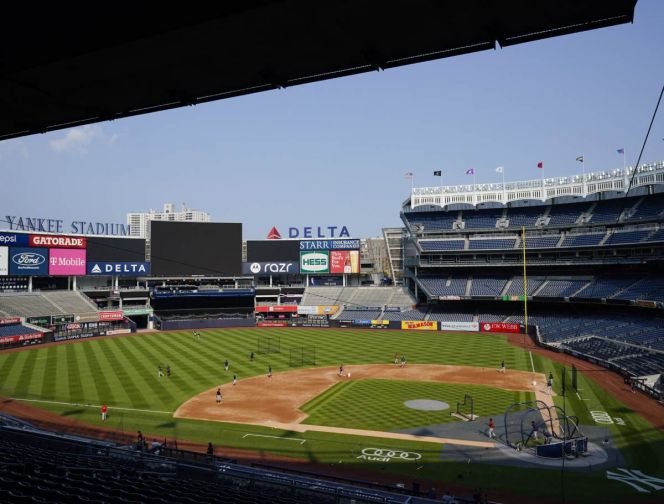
(273, 250)
(116, 249)
(196, 248)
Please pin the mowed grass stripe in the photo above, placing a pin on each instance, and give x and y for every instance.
(133, 396)
(50, 369)
(25, 374)
(182, 380)
(142, 373)
(74, 383)
(8, 369)
(98, 376)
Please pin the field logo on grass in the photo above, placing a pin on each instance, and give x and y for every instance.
(635, 479)
(382, 455)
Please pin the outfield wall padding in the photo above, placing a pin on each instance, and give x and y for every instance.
(179, 325)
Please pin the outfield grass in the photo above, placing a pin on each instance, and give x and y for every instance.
(122, 372)
(379, 404)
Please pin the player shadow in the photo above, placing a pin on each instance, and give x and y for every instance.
(167, 425)
(73, 412)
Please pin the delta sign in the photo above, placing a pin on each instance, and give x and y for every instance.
(311, 232)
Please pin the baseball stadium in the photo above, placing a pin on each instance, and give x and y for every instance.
(504, 344)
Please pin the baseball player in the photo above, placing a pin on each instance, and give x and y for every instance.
(491, 426)
(403, 361)
(535, 430)
(269, 371)
(104, 412)
(234, 379)
(160, 372)
(226, 365)
(501, 369)
(168, 371)
(218, 396)
(251, 356)
(549, 385)
(341, 370)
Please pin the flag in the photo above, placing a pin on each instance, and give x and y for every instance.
(499, 169)
(438, 173)
(540, 165)
(621, 151)
(580, 159)
(470, 171)
(408, 175)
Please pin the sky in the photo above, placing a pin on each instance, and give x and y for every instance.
(334, 153)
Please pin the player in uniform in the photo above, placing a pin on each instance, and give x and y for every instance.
(501, 369)
(226, 365)
(234, 379)
(218, 396)
(104, 412)
(269, 371)
(160, 373)
(168, 371)
(491, 426)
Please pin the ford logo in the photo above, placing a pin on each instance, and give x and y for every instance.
(28, 259)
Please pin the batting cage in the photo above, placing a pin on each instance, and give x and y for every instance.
(302, 356)
(268, 344)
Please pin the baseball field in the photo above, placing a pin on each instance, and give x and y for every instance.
(309, 414)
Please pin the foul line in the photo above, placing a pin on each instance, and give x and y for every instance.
(532, 364)
(302, 441)
(90, 405)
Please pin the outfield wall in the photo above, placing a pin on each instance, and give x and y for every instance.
(179, 325)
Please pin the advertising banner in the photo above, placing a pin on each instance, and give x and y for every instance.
(13, 239)
(10, 320)
(344, 261)
(23, 337)
(380, 324)
(330, 245)
(277, 309)
(4, 261)
(28, 261)
(501, 327)
(272, 324)
(270, 268)
(54, 241)
(420, 325)
(40, 321)
(118, 268)
(315, 262)
(110, 315)
(66, 262)
(317, 310)
(62, 319)
(459, 326)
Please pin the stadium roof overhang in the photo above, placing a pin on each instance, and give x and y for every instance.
(132, 58)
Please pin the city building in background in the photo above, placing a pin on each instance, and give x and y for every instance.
(139, 222)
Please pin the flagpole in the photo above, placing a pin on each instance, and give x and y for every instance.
(502, 172)
(441, 188)
(583, 169)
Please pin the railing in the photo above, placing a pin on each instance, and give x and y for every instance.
(539, 189)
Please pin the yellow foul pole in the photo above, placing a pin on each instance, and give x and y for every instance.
(525, 278)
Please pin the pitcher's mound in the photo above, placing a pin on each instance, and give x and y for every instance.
(427, 405)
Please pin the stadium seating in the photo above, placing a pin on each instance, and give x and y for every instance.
(441, 245)
(15, 330)
(622, 237)
(487, 285)
(354, 314)
(609, 210)
(560, 288)
(582, 240)
(403, 315)
(565, 215)
(481, 219)
(31, 304)
(516, 287)
(488, 244)
(657, 236)
(444, 286)
(525, 216)
(547, 241)
(649, 208)
(651, 289)
(604, 287)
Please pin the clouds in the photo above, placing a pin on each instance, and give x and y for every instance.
(80, 139)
